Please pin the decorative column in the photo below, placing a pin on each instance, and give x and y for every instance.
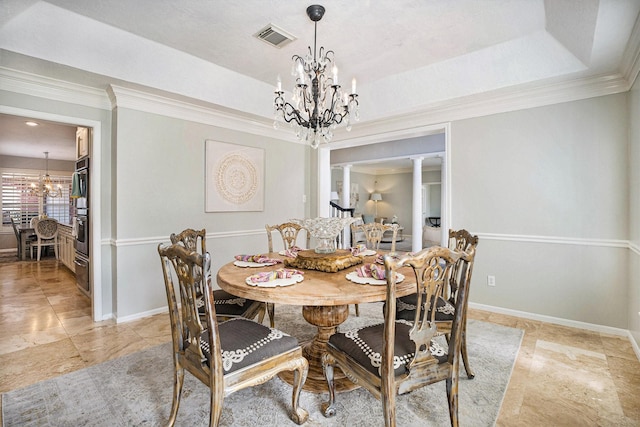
(345, 201)
(416, 211)
(444, 205)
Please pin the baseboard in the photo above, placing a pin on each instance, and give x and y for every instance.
(634, 344)
(549, 319)
(138, 316)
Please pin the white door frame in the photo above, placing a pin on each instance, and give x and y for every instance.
(324, 164)
(94, 198)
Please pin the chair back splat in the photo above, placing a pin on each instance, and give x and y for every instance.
(228, 306)
(459, 240)
(47, 231)
(201, 344)
(373, 233)
(399, 356)
(289, 232)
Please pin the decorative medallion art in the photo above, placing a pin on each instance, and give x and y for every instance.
(234, 177)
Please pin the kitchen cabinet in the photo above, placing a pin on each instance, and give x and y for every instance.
(66, 249)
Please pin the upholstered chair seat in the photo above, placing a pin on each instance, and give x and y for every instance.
(365, 346)
(245, 343)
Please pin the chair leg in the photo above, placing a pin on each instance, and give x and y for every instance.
(452, 398)
(177, 392)
(298, 414)
(463, 352)
(39, 251)
(216, 395)
(271, 312)
(328, 363)
(55, 249)
(389, 406)
(357, 310)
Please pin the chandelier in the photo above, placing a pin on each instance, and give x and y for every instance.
(318, 104)
(46, 187)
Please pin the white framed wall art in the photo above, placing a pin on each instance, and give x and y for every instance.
(234, 177)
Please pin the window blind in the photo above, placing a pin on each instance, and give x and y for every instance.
(19, 204)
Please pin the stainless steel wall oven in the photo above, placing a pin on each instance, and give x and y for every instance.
(83, 238)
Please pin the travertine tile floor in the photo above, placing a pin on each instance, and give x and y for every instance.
(563, 376)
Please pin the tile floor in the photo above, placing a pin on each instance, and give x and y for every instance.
(563, 376)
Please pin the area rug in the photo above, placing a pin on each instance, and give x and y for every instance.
(135, 390)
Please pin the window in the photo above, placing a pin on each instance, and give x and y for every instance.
(19, 204)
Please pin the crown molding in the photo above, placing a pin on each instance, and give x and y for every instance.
(630, 64)
(499, 101)
(53, 89)
(478, 105)
(156, 104)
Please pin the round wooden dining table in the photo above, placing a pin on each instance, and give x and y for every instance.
(325, 299)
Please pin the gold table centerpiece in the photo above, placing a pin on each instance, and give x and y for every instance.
(329, 263)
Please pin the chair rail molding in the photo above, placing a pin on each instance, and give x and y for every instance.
(165, 239)
(616, 243)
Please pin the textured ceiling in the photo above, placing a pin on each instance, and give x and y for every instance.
(405, 54)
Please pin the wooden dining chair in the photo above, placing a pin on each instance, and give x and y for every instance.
(373, 232)
(397, 357)
(460, 240)
(289, 232)
(228, 306)
(226, 356)
(28, 241)
(47, 235)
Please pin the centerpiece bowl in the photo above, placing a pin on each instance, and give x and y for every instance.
(325, 231)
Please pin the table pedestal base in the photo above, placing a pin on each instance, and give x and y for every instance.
(326, 319)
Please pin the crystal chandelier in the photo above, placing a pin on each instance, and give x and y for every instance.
(318, 104)
(46, 187)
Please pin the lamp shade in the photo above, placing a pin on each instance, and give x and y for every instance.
(334, 195)
(376, 197)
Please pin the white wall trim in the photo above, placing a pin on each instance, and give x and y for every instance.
(562, 322)
(164, 239)
(634, 344)
(555, 240)
(634, 248)
(504, 100)
(48, 88)
(498, 101)
(142, 315)
(550, 319)
(156, 104)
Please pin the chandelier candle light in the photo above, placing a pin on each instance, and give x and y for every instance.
(318, 104)
(46, 187)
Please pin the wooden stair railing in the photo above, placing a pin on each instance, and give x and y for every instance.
(338, 211)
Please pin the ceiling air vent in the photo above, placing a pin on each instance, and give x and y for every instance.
(275, 36)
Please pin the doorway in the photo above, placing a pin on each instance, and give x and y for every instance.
(95, 224)
(375, 144)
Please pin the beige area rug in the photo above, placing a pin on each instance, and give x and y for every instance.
(135, 390)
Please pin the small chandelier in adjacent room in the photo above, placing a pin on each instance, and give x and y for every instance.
(46, 187)
(318, 104)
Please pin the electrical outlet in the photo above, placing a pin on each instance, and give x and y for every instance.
(304, 198)
(491, 280)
